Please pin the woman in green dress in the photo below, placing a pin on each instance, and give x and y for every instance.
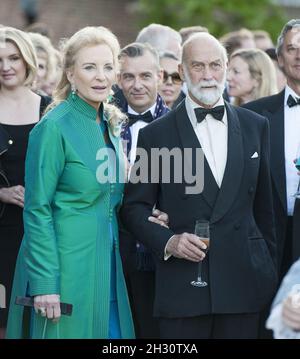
(74, 182)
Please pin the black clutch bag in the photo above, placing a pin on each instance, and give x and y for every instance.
(66, 308)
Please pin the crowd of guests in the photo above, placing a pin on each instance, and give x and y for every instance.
(124, 254)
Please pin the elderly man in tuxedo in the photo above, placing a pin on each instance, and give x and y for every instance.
(236, 199)
(283, 113)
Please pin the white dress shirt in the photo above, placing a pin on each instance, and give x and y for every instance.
(291, 143)
(212, 135)
(134, 130)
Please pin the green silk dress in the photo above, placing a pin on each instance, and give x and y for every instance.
(69, 215)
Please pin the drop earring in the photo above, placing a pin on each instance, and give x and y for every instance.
(73, 91)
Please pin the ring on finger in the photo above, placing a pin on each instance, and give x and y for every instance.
(42, 311)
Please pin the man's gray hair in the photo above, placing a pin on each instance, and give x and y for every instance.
(294, 23)
(168, 55)
(136, 49)
(158, 36)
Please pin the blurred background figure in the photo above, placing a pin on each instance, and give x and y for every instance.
(56, 74)
(262, 40)
(247, 38)
(283, 112)
(284, 318)
(186, 32)
(30, 11)
(231, 41)
(250, 75)
(47, 64)
(281, 79)
(170, 87)
(162, 38)
(240, 39)
(40, 28)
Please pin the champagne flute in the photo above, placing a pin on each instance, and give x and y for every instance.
(202, 231)
(297, 165)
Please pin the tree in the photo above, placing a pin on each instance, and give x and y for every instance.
(219, 16)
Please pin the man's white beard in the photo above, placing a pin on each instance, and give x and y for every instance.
(206, 96)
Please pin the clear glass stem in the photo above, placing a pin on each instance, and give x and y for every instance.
(297, 194)
(199, 271)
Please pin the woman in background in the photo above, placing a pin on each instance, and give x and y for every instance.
(170, 88)
(47, 63)
(20, 110)
(251, 75)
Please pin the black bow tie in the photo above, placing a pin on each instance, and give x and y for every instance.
(291, 101)
(146, 117)
(217, 113)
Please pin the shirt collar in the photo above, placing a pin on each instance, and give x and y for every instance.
(151, 109)
(289, 91)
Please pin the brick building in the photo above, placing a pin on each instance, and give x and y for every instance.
(65, 17)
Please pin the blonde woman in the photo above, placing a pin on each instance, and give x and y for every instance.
(70, 251)
(251, 75)
(47, 63)
(20, 110)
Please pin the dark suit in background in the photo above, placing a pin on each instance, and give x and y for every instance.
(287, 230)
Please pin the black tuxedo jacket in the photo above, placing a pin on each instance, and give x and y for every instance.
(240, 262)
(272, 107)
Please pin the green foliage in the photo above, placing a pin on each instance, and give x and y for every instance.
(219, 16)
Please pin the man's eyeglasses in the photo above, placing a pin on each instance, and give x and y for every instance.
(174, 77)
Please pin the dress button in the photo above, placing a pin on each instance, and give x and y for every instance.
(10, 142)
(237, 226)
(250, 190)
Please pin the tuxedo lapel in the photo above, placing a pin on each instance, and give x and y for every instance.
(189, 140)
(276, 120)
(234, 166)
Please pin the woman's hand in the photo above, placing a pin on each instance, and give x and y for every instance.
(48, 306)
(291, 311)
(13, 195)
(159, 217)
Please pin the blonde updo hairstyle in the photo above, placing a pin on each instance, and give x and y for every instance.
(86, 37)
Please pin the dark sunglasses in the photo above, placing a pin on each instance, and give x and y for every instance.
(174, 77)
